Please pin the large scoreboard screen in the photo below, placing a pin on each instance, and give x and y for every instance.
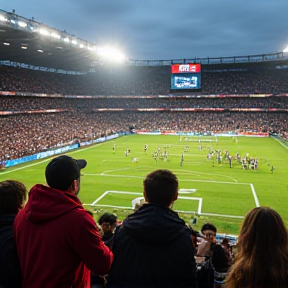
(185, 76)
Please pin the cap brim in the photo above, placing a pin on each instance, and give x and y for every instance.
(81, 163)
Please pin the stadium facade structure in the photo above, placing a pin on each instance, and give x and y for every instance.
(29, 44)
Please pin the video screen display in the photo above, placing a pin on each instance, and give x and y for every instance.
(185, 76)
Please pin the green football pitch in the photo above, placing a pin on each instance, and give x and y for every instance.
(208, 191)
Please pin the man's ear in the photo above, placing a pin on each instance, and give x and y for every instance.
(175, 196)
(74, 187)
(145, 196)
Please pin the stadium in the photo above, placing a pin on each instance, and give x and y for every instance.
(227, 118)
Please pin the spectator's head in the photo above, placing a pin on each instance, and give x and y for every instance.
(63, 173)
(262, 226)
(108, 222)
(161, 187)
(209, 231)
(13, 195)
(263, 239)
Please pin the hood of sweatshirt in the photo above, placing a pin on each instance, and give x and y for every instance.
(46, 203)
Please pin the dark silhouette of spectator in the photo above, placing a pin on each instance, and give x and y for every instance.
(57, 240)
(153, 246)
(108, 222)
(262, 257)
(216, 257)
(13, 195)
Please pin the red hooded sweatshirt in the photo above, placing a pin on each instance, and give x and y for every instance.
(58, 241)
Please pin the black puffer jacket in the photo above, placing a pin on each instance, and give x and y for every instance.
(153, 248)
(10, 272)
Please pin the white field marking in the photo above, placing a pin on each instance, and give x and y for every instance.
(213, 181)
(137, 193)
(223, 215)
(115, 192)
(109, 206)
(194, 198)
(186, 191)
(255, 196)
(178, 211)
(107, 171)
(45, 160)
(280, 143)
(203, 173)
(188, 171)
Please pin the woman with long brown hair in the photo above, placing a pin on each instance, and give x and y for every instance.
(262, 257)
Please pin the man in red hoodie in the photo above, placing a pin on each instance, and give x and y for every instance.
(57, 239)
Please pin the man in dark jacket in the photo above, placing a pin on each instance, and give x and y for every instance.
(57, 239)
(13, 195)
(153, 247)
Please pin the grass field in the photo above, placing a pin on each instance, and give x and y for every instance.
(209, 191)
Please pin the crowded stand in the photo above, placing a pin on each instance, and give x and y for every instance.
(263, 78)
(27, 134)
(43, 110)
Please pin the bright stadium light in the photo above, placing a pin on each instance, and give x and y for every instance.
(3, 18)
(110, 53)
(74, 42)
(66, 40)
(285, 50)
(55, 35)
(22, 24)
(44, 32)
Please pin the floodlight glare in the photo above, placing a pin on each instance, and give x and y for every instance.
(55, 35)
(74, 42)
(44, 32)
(22, 24)
(110, 53)
(81, 46)
(66, 40)
(285, 50)
(2, 18)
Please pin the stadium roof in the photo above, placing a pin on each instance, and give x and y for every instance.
(19, 45)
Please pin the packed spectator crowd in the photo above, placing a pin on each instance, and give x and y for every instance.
(21, 103)
(260, 78)
(33, 124)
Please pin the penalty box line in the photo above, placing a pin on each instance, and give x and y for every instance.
(200, 200)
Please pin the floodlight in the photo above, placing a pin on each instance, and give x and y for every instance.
(3, 18)
(285, 50)
(110, 53)
(44, 32)
(66, 40)
(74, 42)
(81, 46)
(22, 24)
(55, 35)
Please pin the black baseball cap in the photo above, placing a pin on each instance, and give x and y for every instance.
(62, 171)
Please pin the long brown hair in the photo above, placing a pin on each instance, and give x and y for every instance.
(262, 258)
